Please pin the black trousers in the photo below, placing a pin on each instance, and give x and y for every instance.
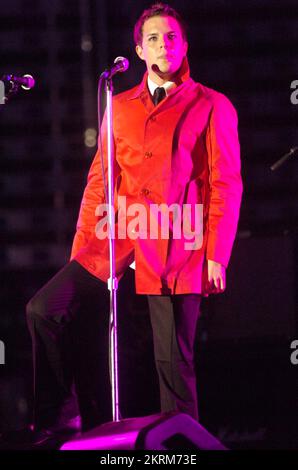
(173, 320)
(68, 321)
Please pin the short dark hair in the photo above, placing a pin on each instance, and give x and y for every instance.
(158, 9)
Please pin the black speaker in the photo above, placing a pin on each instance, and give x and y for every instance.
(166, 431)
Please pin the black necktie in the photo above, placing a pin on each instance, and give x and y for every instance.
(158, 95)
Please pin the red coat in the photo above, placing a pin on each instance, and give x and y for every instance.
(185, 150)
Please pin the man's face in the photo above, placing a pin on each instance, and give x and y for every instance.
(163, 47)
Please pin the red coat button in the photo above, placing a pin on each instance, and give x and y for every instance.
(144, 192)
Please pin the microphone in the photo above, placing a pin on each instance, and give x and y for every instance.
(121, 64)
(26, 81)
(155, 68)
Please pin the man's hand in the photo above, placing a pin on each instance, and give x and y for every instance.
(216, 277)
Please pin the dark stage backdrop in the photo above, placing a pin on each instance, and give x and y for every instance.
(247, 50)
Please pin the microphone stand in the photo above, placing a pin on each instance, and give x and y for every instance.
(282, 160)
(112, 281)
(121, 64)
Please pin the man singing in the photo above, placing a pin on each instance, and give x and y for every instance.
(176, 143)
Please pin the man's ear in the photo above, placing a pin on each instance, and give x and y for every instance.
(139, 51)
(185, 47)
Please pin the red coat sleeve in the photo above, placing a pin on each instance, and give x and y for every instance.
(224, 179)
(93, 196)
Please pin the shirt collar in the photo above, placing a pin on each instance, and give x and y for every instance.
(183, 76)
(152, 86)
